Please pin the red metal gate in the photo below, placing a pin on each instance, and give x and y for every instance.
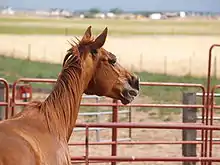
(116, 125)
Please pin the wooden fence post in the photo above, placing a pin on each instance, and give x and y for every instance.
(189, 116)
(2, 94)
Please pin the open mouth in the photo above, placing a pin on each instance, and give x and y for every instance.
(128, 96)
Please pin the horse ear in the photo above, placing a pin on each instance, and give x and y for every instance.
(87, 34)
(100, 40)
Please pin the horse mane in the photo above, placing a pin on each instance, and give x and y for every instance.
(76, 48)
(57, 107)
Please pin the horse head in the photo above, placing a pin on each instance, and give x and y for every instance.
(104, 74)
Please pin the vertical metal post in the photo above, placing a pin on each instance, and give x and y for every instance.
(211, 123)
(189, 116)
(215, 68)
(29, 52)
(165, 65)
(98, 120)
(114, 130)
(208, 103)
(2, 93)
(130, 119)
(87, 145)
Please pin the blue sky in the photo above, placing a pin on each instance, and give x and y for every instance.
(193, 5)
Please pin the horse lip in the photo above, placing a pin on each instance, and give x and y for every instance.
(128, 95)
(126, 100)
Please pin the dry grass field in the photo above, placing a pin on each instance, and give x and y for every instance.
(177, 55)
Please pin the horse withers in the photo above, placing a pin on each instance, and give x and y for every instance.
(39, 134)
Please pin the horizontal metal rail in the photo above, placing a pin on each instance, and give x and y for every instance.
(201, 94)
(107, 142)
(101, 113)
(4, 104)
(90, 129)
(149, 125)
(129, 105)
(213, 139)
(174, 84)
(135, 142)
(141, 159)
(214, 118)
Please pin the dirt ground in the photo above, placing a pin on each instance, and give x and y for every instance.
(178, 55)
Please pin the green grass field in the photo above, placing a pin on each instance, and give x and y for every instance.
(25, 25)
(12, 69)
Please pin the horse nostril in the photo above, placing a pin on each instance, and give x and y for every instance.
(134, 82)
(132, 93)
(137, 83)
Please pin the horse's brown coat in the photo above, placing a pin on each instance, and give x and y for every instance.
(39, 134)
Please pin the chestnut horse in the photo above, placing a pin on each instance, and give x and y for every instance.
(39, 134)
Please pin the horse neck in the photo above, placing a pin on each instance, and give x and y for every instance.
(62, 105)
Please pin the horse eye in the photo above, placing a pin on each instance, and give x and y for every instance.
(112, 61)
(94, 51)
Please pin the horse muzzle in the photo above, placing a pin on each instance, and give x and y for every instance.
(130, 91)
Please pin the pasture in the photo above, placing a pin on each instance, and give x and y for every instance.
(161, 51)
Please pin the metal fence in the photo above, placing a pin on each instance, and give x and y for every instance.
(114, 142)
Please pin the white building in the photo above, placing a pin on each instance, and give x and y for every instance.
(99, 15)
(156, 16)
(182, 14)
(42, 13)
(8, 11)
(110, 15)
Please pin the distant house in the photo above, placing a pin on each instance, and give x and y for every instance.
(65, 13)
(182, 14)
(55, 12)
(76, 14)
(8, 11)
(156, 16)
(99, 15)
(60, 13)
(42, 13)
(140, 17)
(126, 16)
(81, 16)
(171, 14)
(110, 15)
